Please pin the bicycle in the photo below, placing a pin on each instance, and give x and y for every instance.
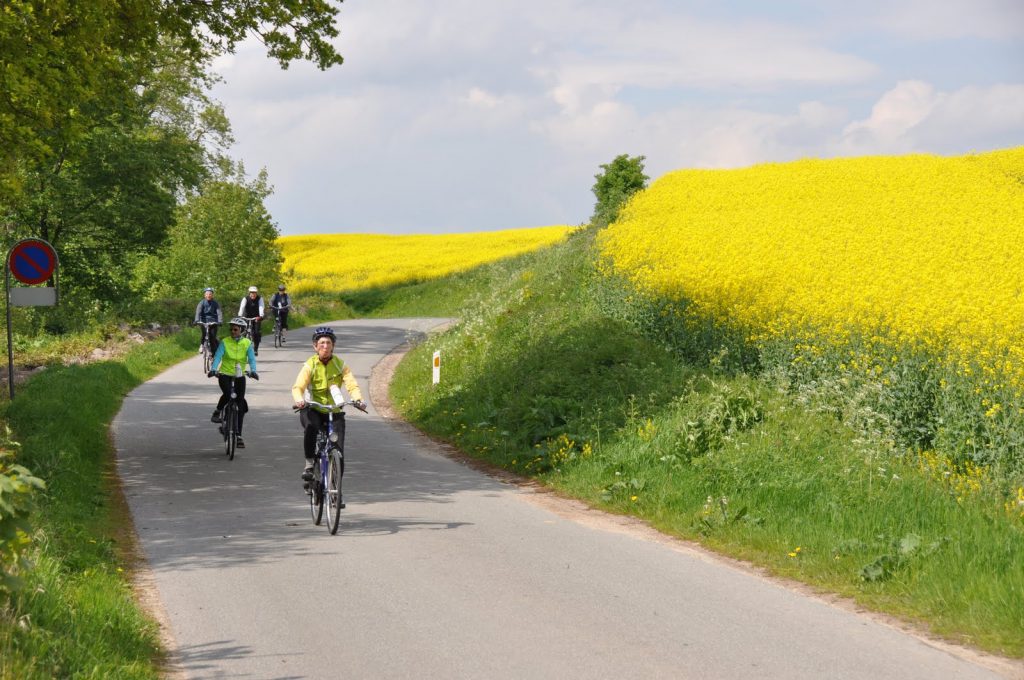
(278, 330)
(250, 323)
(208, 350)
(229, 418)
(328, 469)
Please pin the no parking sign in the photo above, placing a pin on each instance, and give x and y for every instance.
(31, 261)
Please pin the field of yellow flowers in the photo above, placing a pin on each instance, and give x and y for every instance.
(873, 256)
(923, 247)
(340, 262)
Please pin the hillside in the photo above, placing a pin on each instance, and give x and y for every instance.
(783, 450)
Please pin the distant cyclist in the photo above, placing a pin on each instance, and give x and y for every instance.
(252, 308)
(234, 351)
(319, 374)
(279, 304)
(208, 311)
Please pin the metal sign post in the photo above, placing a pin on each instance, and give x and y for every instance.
(31, 261)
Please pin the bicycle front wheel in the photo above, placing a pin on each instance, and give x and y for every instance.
(277, 336)
(207, 359)
(335, 471)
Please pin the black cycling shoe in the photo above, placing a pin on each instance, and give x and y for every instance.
(307, 475)
(239, 444)
(215, 418)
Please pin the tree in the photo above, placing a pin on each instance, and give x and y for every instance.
(223, 237)
(109, 197)
(60, 58)
(620, 179)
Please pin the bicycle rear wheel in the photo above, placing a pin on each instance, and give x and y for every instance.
(335, 471)
(230, 430)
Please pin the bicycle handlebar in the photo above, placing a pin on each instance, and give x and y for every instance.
(334, 408)
(247, 374)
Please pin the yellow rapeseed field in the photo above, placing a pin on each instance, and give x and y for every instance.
(336, 262)
(916, 248)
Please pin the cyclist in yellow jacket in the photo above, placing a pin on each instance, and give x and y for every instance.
(318, 375)
(232, 355)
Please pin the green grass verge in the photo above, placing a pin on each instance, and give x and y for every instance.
(538, 379)
(76, 615)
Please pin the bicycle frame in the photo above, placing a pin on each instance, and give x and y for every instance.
(278, 330)
(323, 491)
(207, 344)
(232, 410)
(250, 321)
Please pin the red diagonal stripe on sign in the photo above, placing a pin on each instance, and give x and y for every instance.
(30, 262)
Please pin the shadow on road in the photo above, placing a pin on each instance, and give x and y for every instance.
(194, 509)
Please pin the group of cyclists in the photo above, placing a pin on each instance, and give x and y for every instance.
(317, 376)
(250, 310)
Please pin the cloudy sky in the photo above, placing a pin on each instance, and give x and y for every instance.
(474, 115)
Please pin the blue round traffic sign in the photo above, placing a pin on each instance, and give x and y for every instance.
(32, 261)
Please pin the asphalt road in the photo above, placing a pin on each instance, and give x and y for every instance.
(439, 571)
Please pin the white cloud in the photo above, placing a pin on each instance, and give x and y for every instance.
(469, 115)
(931, 20)
(481, 98)
(914, 116)
(897, 112)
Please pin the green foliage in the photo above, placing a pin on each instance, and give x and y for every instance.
(726, 409)
(106, 123)
(289, 30)
(16, 486)
(223, 236)
(108, 199)
(77, 615)
(619, 180)
(49, 104)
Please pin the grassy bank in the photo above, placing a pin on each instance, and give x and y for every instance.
(76, 615)
(543, 378)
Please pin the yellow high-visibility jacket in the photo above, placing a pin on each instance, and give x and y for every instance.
(318, 378)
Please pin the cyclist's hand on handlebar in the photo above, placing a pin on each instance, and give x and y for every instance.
(254, 375)
(299, 405)
(211, 374)
(359, 404)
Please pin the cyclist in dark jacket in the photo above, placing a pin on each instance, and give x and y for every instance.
(279, 303)
(252, 308)
(208, 311)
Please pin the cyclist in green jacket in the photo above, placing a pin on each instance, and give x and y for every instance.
(232, 355)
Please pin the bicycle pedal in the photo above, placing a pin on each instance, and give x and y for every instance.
(341, 506)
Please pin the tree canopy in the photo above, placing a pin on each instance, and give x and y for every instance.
(223, 237)
(619, 180)
(61, 61)
(106, 125)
